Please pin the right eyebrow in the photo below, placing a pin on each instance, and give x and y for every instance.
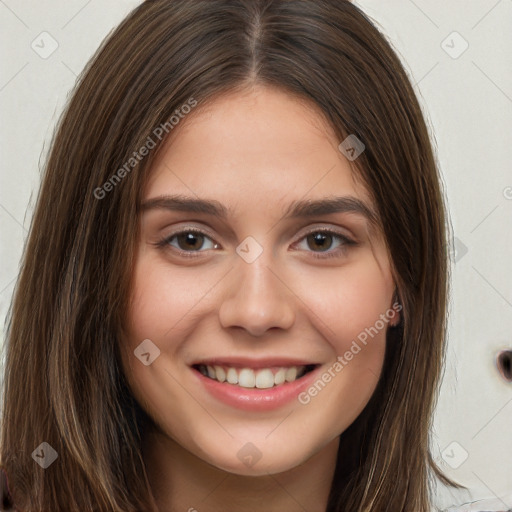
(186, 204)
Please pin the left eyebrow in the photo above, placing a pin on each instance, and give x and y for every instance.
(347, 204)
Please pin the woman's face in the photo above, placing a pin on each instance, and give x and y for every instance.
(266, 288)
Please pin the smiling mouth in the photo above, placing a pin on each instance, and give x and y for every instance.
(262, 378)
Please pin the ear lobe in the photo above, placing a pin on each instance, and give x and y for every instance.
(395, 319)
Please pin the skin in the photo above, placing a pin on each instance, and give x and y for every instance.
(255, 152)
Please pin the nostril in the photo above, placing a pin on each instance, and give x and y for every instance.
(504, 363)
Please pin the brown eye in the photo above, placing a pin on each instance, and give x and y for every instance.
(320, 240)
(188, 240)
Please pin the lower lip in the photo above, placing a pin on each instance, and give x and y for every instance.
(252, 399)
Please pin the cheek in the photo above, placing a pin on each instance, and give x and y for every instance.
(165, 298)
(350, 304)
(350, 312)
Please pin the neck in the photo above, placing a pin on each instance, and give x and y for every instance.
(181, 481)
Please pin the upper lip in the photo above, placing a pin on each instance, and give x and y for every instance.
(246, 362)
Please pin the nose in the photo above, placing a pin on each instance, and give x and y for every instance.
(257, 298)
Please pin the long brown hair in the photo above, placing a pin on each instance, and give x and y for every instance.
(63, 379)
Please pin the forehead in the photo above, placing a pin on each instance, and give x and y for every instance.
(252, 149)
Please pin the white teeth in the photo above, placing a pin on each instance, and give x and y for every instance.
(280, 376)
(265, 379)
(291, 374)
(220, 373)
(247, 378)
(232, 376)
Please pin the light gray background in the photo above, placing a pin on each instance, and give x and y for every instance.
(467, 97)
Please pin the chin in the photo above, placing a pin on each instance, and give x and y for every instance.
(246, 459)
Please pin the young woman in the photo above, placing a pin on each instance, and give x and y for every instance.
(234, 292)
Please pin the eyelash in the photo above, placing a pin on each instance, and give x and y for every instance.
(164, 243)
